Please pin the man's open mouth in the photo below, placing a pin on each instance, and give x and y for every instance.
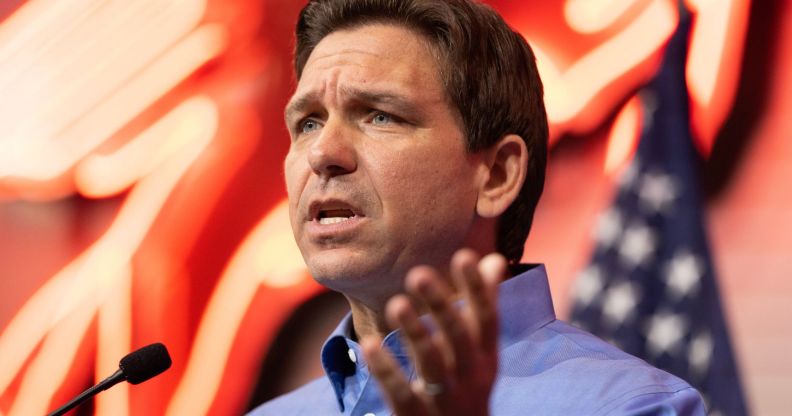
(334, 216)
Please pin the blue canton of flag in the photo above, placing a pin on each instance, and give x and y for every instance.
(650, 288)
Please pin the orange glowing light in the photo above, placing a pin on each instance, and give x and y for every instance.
(569, 93)
(82, 71)
(623, 137)
(579, 97)
(30, 25)
(586, 16)
(60, 311)
(100, 176)
(51, 365)
(716, 47)
(79, 66)
(48, 158)
(268, 256)
(114, 340)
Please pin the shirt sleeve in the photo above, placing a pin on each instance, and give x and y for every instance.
(684, 402)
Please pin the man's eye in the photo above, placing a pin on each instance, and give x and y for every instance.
(308, 125)
(382, 118)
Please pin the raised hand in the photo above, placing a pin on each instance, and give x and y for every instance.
(457, 362)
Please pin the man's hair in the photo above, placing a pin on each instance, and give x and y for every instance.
(488, 71)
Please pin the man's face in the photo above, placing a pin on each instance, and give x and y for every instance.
(377, 173)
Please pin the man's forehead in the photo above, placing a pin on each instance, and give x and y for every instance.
(381, 40)
(373, 63)
(378, 57)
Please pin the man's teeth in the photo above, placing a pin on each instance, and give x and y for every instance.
(332, 220)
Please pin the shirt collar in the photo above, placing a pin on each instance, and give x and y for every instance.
(524, 303)
(335, 357)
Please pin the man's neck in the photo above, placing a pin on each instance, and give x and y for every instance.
(366, 320)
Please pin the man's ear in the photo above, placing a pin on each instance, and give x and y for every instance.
(503, 174)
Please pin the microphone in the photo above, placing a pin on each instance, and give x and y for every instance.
(136, 367)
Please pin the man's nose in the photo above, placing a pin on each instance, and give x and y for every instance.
(333, 151)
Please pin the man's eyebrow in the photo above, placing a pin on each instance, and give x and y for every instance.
(395, 101)
(399, 102)
(299, 105)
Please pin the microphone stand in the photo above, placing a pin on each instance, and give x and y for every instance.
(105, 384)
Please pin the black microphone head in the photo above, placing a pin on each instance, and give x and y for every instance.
(145, 363)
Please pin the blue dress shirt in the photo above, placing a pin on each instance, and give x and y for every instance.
(546, 367)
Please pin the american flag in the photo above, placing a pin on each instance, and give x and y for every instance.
(650, 288)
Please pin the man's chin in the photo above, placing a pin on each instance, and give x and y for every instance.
(349, 273)
(334, 274)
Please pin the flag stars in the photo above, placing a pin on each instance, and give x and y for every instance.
(619, 303)
(700, 353)
(629, 175)
(683, 274)
(664, 333)
(657, 191)
(588, 285)
(609, 227)
(637, 245)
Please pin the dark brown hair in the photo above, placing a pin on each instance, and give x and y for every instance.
(489, 72)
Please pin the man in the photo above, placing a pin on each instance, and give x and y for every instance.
(418, 129)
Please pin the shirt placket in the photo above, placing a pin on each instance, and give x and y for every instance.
(370, 401)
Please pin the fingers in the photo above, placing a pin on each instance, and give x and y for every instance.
(466, 277)
(492, 270)
(478, 281)
(394, 385)
(457, 362)
(429, 360)
(462, 331)
(453, 339)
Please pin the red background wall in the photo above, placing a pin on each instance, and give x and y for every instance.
(140, 182)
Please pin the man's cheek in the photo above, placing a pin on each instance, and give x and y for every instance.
(293, 179)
